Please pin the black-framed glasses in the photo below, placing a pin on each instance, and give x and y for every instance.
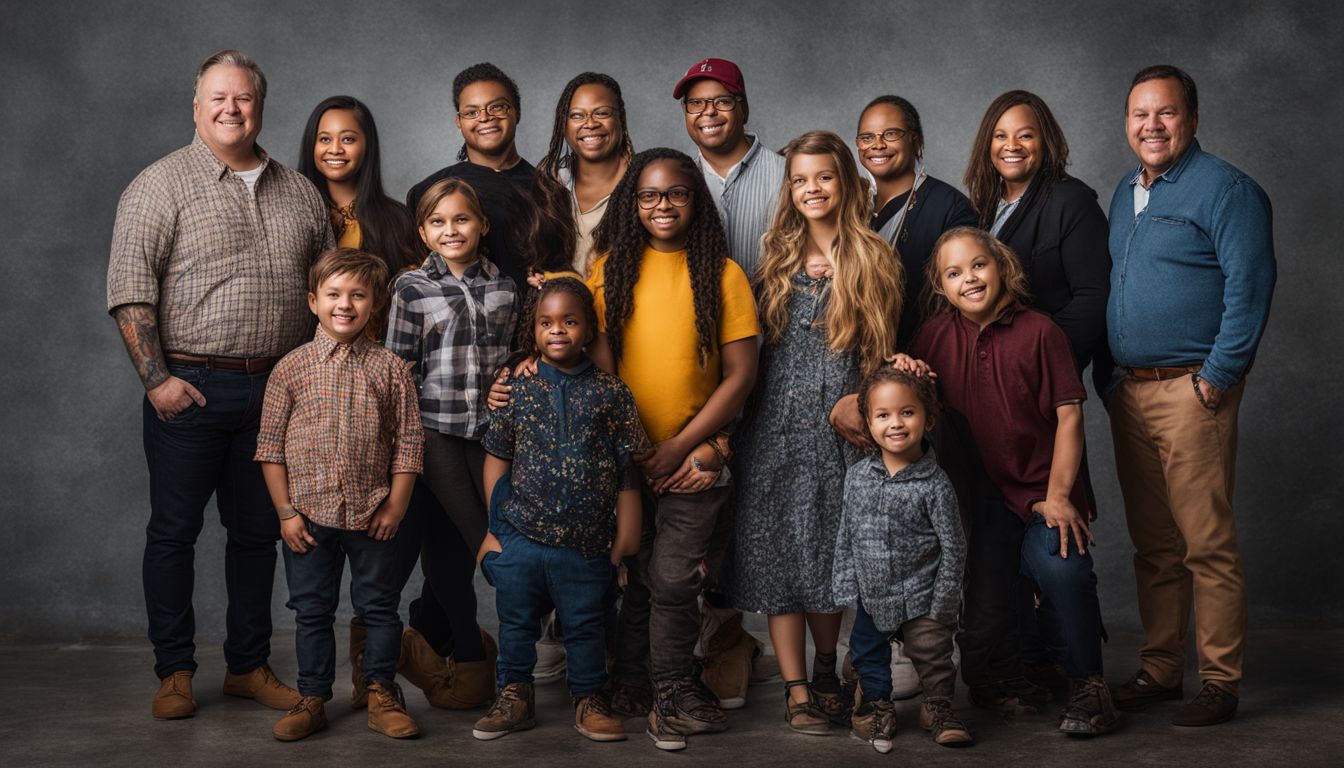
(601, 113)
(652, 198)
(889, 136)
(721, 104)
(498, 109)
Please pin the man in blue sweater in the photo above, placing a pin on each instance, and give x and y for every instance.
(1193, 273)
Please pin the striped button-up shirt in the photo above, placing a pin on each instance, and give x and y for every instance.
(746, 198)
(226, 268)
(458, 333)
(342, 418)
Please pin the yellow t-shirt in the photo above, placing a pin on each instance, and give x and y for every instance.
(661, 361)
(351, 237)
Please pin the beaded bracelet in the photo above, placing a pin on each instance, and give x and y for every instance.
(1199, 395)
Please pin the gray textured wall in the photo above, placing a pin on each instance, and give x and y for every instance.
(91, 98)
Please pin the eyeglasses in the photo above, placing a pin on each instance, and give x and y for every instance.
(498, 109)
(889, 136)
(652, 198)
(601, 113)
(721, 104)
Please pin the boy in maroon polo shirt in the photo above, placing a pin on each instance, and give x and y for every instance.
(1014, 404)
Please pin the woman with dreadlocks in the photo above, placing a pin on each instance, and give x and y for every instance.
(677, 323)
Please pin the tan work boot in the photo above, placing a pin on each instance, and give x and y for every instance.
(262, 686)
(387, 712)
(305, 718)
(449, 684)
(936, 717)
(173, 700)
(514, 710)
(593, 719)
(359, 693)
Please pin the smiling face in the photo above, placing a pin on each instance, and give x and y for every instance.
(883, 159)
(453, 230)
(1159, 124)
(897, 421)
(227, 111)
(1015, 148)
(343, 304)
(596, 133)
(562, 330)
(713, 130)
(814, 186)
(969, 277)
(666, 222)
(490, 135)
(338, 150)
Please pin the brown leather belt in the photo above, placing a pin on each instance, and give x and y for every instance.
(244, 364)
(1162, 374)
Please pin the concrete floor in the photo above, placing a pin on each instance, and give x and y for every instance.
(88, 704)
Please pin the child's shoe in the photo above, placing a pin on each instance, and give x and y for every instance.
(305, 718)
(805, 717)
(1090, 711)
(936, 717)
(665, 735)
(514, 710)
(729, 654)
(387, 711)
(695, 709)
(875, 723)
(594, 720)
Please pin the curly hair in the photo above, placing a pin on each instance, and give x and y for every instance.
(865, 303)
(1010, 269)
(571, 286)
(922, 386)
(484, 72)
(621, 238)
(983, 183)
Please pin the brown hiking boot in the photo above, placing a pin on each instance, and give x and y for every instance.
(514, 710)
(305, 718)
(449, 684)
(262, 686)
(729, 653)
(1090, 711)
(1211, 706)
(387, 712)
(875, 722)
(936, 717)
(1143, 689)
(359, 693)
(593, 719)
(173, 700)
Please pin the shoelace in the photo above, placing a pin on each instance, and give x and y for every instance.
(941, 714)
(884, 714)
(695, 695)
(593, 704)
(390, 696)
(1211, 696)
(504, 701)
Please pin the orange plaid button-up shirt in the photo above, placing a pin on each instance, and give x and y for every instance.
(342, 418)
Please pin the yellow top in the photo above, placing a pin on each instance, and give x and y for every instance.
(661, 360)
(350, 237)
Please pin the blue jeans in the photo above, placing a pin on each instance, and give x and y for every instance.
(1070, 615)
(315, 590)
(203, 452)
(529, 577)
(926, 642)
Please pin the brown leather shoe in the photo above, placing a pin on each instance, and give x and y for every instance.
(173, 700)
(1141, 690)
(449, 684)
(1211, 706)
(593, 719)
(514, 710)
(359, 693)
(262, 686)
(387, 712)
(936, 717)
(305, 718)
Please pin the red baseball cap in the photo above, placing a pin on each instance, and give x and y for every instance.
(723, 70)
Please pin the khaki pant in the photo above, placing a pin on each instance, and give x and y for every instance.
(1176, 462)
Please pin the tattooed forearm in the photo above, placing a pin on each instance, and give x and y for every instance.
(139, 326)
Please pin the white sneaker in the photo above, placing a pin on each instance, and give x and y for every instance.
(904, 679)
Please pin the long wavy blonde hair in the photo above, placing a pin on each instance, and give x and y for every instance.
(865, 302)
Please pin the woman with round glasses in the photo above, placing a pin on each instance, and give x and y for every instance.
(910, 209)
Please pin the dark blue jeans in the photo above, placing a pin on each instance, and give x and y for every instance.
(926, 642)
(207, 451)
(1070, 615)
(315, 590)
(529, 577)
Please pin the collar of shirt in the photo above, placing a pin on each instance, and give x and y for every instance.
(216, 167)
(1006, 318)
(738, 169)
(328, 346)
(437, 268)
(922, 468)
(558, 376)
(1172, 174)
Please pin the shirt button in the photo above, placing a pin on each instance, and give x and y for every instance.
(983, 354)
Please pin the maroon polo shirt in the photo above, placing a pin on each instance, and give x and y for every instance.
(1006, 381)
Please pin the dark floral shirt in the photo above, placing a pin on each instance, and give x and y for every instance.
(570, 437)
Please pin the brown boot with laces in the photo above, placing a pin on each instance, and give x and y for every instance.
(173, 700)
(936, 717)
(306, 717)
(514, 710)
(262, 686)
(593, 719)
(1211, 706)
(387, 712)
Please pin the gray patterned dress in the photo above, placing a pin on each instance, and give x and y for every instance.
(790, 467)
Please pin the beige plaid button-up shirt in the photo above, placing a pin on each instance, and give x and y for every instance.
(227, 269)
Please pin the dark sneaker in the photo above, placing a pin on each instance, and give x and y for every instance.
(665, 735)
(593, 719)
(1211, 706)
(806, 717)
(629, 699)
(1015, 696)
(1090, 711)
(514, 710)
(1142, 690)
(875, 723)
(829, 696)
(936, 717)
(695, 708)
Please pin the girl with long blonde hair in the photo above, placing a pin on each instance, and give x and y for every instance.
(828, 291)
